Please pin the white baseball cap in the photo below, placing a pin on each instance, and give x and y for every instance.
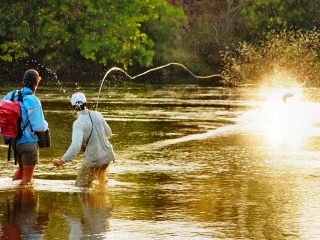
(78, 97)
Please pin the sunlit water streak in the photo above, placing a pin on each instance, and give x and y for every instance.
(192, 137)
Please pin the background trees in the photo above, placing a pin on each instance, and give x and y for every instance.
(64, 33)
(88, 36)
(261, 15)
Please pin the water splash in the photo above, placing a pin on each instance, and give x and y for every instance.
(148, 71)
(282, 57)
(50, 74)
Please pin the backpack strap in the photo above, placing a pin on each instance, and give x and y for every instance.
(12, 95)
(91, 128)
(9, 151)
(20, 97)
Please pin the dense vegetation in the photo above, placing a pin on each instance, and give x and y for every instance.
(90, 36)
(64, 34)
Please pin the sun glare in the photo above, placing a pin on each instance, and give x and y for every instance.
(287, 119)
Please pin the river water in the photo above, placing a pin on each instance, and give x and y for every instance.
(192, 163)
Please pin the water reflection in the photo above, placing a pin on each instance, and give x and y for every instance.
(22, 218)
(93, 221)
(30, 214)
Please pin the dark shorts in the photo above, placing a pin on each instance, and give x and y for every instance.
(27, 153)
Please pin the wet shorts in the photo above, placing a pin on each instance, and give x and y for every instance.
(87, 174)
(27, 153)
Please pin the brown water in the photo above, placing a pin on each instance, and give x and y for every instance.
(192, 163)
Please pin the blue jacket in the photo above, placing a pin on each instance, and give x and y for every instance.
(32, 116)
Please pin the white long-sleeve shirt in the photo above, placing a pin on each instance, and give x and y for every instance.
(98, 150)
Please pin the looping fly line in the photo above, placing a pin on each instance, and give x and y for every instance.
(148, 71)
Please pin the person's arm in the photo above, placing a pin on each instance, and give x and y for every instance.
(75, 146)
(106, 127)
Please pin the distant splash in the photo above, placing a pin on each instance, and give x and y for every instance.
(283, 57)
(148, 71)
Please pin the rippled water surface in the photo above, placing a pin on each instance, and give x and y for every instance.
(192, 163)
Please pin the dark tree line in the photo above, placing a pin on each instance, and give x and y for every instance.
(90, 36)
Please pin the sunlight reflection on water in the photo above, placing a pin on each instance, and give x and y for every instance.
(186, 168)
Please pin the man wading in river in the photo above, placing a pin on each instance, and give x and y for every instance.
(89, 134)
(32, 123)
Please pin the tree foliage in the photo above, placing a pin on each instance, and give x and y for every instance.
(264, 15)
(60, 32)
(282, 44)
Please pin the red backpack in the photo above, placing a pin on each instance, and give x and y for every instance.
(10, 119)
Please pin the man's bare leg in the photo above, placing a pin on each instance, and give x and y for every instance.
(27, 175)
(18, 174)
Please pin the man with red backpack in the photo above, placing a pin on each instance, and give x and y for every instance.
(32, 121)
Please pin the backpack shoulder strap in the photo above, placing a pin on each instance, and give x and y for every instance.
(20, 97)
(13, 95)
(91, 129)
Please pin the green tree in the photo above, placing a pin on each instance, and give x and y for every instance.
(263, 15)
(63, 32)
(210, 27)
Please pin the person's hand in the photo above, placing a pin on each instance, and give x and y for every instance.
(58, 162)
